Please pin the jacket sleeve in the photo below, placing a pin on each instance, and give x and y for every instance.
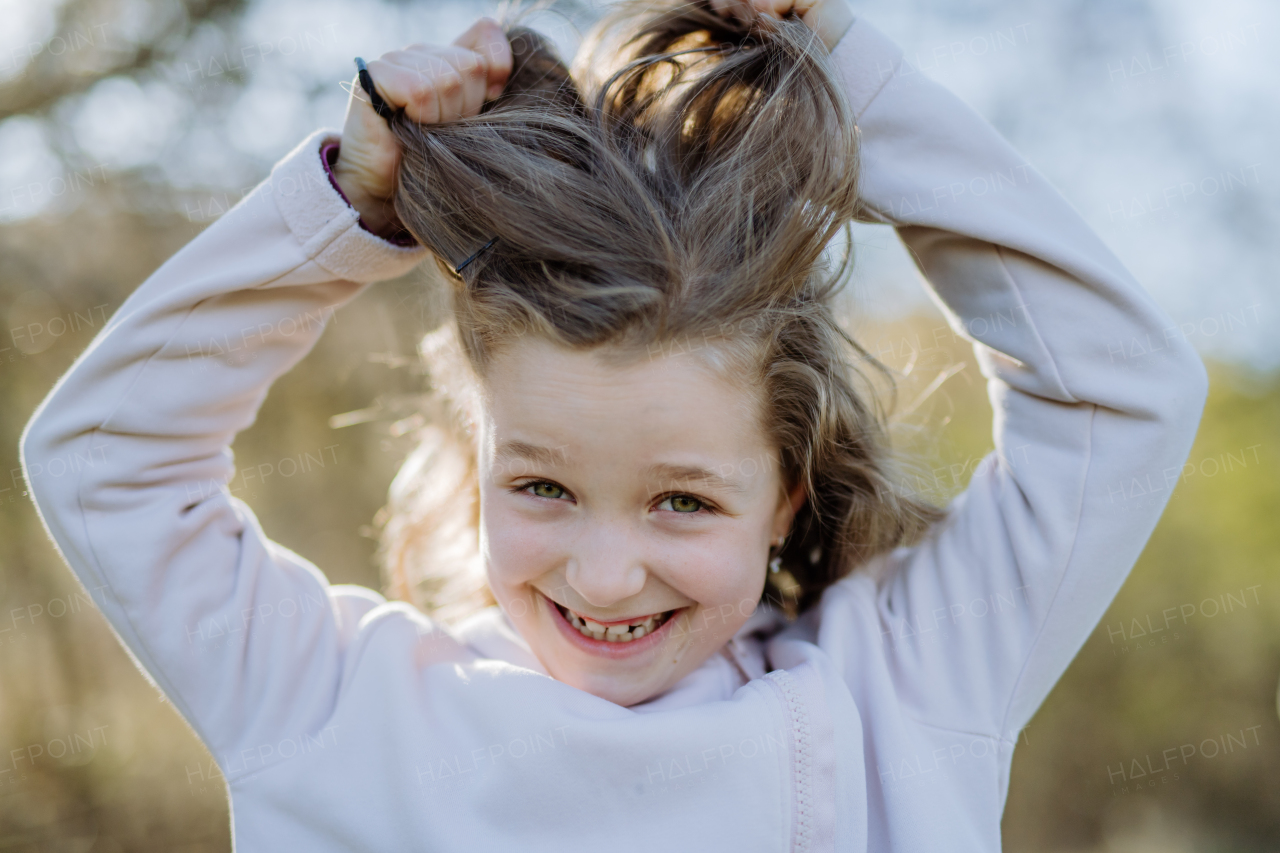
(129, 455)
(981, 620)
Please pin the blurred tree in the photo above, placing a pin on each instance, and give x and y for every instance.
(101, 38)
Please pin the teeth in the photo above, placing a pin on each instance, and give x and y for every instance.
(623, 633)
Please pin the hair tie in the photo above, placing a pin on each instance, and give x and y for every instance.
(375, 100)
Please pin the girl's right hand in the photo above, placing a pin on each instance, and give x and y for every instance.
(432, 84)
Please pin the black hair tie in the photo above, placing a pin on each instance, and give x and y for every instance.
(381, 108)
(375, 100)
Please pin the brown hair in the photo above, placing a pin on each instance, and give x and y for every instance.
(678, 190)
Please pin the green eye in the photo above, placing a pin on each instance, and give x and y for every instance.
(684, 503)
(546, 490)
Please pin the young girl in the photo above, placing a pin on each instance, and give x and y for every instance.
(656, 412)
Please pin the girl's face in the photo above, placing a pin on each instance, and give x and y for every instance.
(626, 511)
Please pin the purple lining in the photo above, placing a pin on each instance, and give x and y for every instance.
(329, 157)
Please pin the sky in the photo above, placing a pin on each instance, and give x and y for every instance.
(1157, 121)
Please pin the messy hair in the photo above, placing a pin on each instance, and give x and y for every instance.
(677, 190)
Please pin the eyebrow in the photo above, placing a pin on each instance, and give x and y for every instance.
(674, 475)
(690, 474)
(531, 452)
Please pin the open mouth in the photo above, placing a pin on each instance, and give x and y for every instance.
(616, 632)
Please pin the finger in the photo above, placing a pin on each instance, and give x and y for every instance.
(486, 38)
(799, 8)
(407, 88)
(737, 9)
(782, 8)
(438, 68)
(750, 10)
(471, 69)
(360, 109)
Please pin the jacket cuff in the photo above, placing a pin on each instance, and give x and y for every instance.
(314, 210)
(329, 151)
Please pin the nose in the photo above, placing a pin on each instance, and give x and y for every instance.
(606, 566)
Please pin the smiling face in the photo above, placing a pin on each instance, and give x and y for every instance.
(626, 511)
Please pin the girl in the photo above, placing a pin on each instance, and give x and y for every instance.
(656, 412)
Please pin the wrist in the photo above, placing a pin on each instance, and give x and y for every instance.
(377, 214)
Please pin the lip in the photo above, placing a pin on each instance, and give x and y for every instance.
(604, 648)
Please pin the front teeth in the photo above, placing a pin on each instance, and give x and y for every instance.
(612, 633)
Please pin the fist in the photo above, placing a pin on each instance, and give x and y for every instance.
(829, 19)
(432, 84)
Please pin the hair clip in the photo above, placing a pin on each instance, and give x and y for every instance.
(460, 267)
(375, 100)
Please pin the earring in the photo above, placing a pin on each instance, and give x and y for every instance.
(775, 563)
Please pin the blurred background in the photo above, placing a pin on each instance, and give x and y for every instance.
(126, 126)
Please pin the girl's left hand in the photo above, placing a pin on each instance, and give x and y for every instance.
(830, 19)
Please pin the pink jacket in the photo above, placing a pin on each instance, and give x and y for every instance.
(888, 715)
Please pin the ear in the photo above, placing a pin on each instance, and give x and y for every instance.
(788, 507)
(797, 496)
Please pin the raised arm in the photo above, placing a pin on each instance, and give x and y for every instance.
(129, 455)
(979, 622)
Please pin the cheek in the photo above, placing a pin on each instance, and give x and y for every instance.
(726, 578)
(516, 549)
(722, 571)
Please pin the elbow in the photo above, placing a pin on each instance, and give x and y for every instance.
(47, 455)
(1199, 385)
(34, 449)
(1193, 381)
(1185, 387)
